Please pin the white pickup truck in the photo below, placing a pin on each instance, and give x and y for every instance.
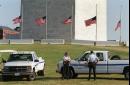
(104, 66)
(23, 64)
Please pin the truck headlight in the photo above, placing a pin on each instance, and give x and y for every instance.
(6, 68)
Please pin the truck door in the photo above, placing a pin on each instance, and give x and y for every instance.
(101, 66)
(83, 67)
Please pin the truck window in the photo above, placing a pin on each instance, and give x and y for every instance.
(20, 57)
(35, 57)
(100, 56)
(84, 57)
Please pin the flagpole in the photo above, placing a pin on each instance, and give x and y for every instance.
(21, 14)
(96, 22)
(46, 20)
(72, 23)
(120, 23)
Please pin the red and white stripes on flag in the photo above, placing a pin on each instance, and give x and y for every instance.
(90, 21)
(40, 21)
(118, 25)
(17, 20)
(8, 32)
(68, 20)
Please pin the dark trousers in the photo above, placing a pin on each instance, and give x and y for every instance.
(66, 72)
(92, 66)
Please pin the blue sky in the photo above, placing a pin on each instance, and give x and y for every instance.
(9, 9)
(114, 8)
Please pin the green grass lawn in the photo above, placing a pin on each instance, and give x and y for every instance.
(53, 53)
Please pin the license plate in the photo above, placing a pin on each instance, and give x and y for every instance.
(17, 74)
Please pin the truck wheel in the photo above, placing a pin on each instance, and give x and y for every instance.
(31, 77)
(115, 57)
(5, 78)
(41, 73)
(126, 74)
(75, 76)
(71, 74)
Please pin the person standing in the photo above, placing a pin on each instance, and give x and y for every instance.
(92, 61)
(66, 62)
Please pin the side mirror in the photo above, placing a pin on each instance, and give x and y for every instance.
(36, 61)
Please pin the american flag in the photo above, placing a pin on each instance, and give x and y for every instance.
(68, 20)
(40, 21)
(8, 32)
(90, 21)
(17, 20)
(118, 25)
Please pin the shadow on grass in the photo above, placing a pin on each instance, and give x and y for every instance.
(103, 78)
(36, 79)
(59, 78)
(48, 78)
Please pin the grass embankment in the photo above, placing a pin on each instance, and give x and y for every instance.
(53, 53)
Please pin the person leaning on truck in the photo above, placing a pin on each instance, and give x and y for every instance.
(66, 62)
(92, 61)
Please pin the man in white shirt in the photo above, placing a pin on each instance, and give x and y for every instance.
(66, 62)
(66, 58)
(92, 61)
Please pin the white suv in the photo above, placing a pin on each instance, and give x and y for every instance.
(23, 64)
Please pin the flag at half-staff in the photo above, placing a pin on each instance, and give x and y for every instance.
(40, 21)
(118, 25)
(68, 20)
(17, 20)
(91, 21)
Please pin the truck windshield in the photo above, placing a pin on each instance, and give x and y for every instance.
(20, 57)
